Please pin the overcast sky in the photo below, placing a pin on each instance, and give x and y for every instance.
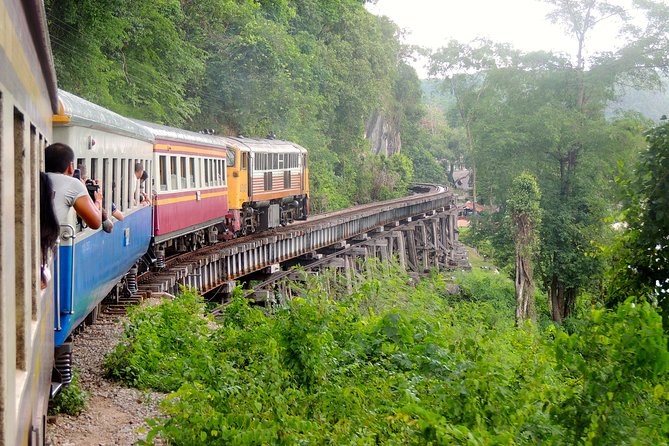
(432, 23)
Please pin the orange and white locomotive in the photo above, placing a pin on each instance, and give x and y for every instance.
(268, 184)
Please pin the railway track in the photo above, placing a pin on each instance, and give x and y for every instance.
(229, 260)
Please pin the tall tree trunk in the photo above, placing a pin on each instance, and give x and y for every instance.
(524, 286)
(556, 293)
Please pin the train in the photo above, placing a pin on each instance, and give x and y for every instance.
(176, 190)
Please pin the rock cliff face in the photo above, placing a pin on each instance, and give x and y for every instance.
(383, 136)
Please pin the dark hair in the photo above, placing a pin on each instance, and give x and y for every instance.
(57, 157)
(49, 225)
(138, 167)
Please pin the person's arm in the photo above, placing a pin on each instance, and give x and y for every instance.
(90, 212)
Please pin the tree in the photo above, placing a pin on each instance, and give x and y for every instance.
(525, 216)
(644, 267)
(466, 70)
(566, 141)
(129, 56)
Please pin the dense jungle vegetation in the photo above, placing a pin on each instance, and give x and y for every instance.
(574, 184)
(398, 362)
(308, 71)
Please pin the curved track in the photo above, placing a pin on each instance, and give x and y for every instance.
(232, 259)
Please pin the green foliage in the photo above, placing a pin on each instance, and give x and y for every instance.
(616, 363)
(524, 199)
(311, 72)
(396, 362)
(150, 356)
(129, 56)
(71, 400)
(642, 264)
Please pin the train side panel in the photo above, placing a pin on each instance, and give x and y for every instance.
(27, 100)
(99, 262)
(192, 191)
(91, 262)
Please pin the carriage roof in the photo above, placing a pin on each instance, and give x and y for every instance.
(73, 110)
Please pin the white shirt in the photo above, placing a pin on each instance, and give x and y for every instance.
(66, 191)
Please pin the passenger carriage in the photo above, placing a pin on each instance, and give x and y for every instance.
(28, 98)
(91, 263)
(190, 191)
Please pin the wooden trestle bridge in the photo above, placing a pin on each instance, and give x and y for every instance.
(418, 231)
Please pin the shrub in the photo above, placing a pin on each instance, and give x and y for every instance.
(71, 400)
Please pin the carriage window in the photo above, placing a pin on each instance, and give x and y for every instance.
(130, 174)
(183, 174)
(206, 173)
(221, 172)
(231, 158)
(191, 171)
(173, 173)
(35, 142)
(162, 166)
(114, 184)
(213, 175)
(21, 231)
(122, 191)
(198, 172)
(94, 173)
(106, 184)
(280, 160)
(149, 186)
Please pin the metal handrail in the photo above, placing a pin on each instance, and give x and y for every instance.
(66, 237)
(56, 274)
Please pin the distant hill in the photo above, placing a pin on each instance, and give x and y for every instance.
(651, 104)
(434, 95)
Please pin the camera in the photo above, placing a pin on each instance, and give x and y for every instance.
(92, 188)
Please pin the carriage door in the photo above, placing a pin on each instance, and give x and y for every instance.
(246, 182)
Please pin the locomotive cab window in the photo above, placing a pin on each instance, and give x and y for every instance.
(245, 160)
(231, 157)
